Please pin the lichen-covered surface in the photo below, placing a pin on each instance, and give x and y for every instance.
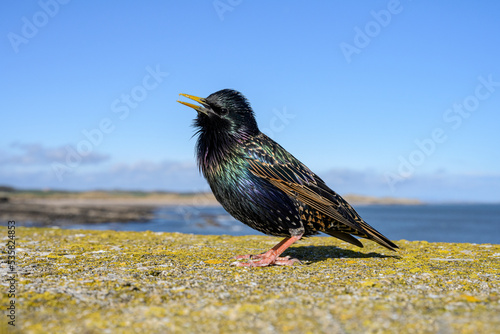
(125, 282)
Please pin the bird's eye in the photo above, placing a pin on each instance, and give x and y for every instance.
(223, 111)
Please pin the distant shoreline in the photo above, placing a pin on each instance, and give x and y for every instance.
(155, 198)
(64, 208)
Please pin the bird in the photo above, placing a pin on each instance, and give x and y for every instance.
(265, 187)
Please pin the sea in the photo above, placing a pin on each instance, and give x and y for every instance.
(470, 223)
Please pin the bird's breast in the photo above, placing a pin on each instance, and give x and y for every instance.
(254, 201)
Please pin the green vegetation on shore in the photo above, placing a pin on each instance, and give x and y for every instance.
(74, 281)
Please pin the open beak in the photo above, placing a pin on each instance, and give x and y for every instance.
(200, 100)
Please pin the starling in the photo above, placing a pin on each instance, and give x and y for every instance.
(262, 185)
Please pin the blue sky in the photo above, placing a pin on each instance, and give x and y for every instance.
(382, 98)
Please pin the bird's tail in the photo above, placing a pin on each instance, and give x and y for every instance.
(378, 237)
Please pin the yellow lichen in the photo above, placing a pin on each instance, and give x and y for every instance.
(105, 281)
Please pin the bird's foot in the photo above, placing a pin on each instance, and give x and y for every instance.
(270, 257)
(264, 260)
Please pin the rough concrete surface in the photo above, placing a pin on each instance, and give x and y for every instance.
(72, 281)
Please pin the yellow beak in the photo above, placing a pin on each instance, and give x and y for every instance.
(194, 106)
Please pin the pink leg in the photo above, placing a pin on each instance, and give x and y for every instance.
(260, 256)
(271, 256)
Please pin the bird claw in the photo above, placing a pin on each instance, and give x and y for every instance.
(262, 261)
(271, 257)
(243, 257)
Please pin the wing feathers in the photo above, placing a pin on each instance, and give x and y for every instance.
(299, 182)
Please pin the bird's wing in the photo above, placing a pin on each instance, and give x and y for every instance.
(281, 169)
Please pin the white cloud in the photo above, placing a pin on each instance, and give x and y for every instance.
(142, 175)
(29, 154)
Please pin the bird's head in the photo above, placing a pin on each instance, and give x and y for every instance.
(226, 112)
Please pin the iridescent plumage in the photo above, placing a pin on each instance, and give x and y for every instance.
(262, 185)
